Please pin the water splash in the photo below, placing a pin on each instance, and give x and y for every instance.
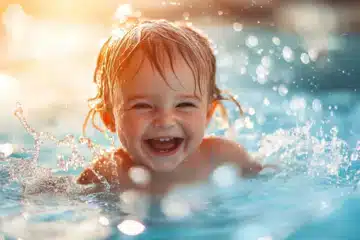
(28, 169)
(75, 160)
(305, 159)
(323, 156)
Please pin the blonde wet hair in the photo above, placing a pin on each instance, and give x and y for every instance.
(154, 38)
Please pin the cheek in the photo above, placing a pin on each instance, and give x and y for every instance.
(130, 125)
(196, 121)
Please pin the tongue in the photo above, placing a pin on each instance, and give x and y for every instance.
(162, 145)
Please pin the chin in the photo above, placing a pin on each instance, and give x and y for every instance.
(164, 166)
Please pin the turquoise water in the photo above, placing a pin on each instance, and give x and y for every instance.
(302, 115)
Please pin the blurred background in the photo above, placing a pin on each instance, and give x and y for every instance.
(48, 49)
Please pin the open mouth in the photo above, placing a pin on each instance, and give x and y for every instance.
(164, 145)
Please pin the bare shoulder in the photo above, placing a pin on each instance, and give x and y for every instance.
(108, 166)
(227, 151)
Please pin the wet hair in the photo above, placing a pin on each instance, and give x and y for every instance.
(156, 39)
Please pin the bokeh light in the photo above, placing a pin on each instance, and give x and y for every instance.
(225, 175)
(104, 221)
(175, 208)
(123, 12)
(131, 227)
(139, 175)
(252, 41)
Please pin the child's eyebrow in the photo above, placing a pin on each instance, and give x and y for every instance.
(137, 97)
(189, 96)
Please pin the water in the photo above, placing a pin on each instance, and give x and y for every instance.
(300, 114)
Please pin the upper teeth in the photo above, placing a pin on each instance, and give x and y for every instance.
(164, 139)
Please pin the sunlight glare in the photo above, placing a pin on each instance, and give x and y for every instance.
(123, 12)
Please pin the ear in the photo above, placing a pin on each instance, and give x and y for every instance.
(108, 119)
(210, 112)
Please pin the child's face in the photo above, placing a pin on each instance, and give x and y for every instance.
(160, 122)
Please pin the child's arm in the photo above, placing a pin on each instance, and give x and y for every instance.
(224, 150)
(103, 167)
(100, 167)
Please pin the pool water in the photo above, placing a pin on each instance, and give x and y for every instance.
(301, 113)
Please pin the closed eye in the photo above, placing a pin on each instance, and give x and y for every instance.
(185, 104)
(141, 106)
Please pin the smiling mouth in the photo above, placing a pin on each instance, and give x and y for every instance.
(164, 145)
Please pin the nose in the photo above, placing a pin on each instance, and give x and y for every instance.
(164, 119)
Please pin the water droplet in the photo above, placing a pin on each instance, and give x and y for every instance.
(354, 156)
(186, 15)
(313, 54)
(316, 105)
(239, 124)
(61, 163)
(282, 90)
(288, 54)
(318, 149)
(266, 102)
(297, 103)
(248, 123)
(304, 58)
(276, 41)
(189, 24)
(334, 131)
(252, 41)
(262, 74)
(243, 70)
(261, 71)
(262, 79)
(251, 111)
(237, 26)
(266, 62)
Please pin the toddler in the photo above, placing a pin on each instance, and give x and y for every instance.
(157, 91)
